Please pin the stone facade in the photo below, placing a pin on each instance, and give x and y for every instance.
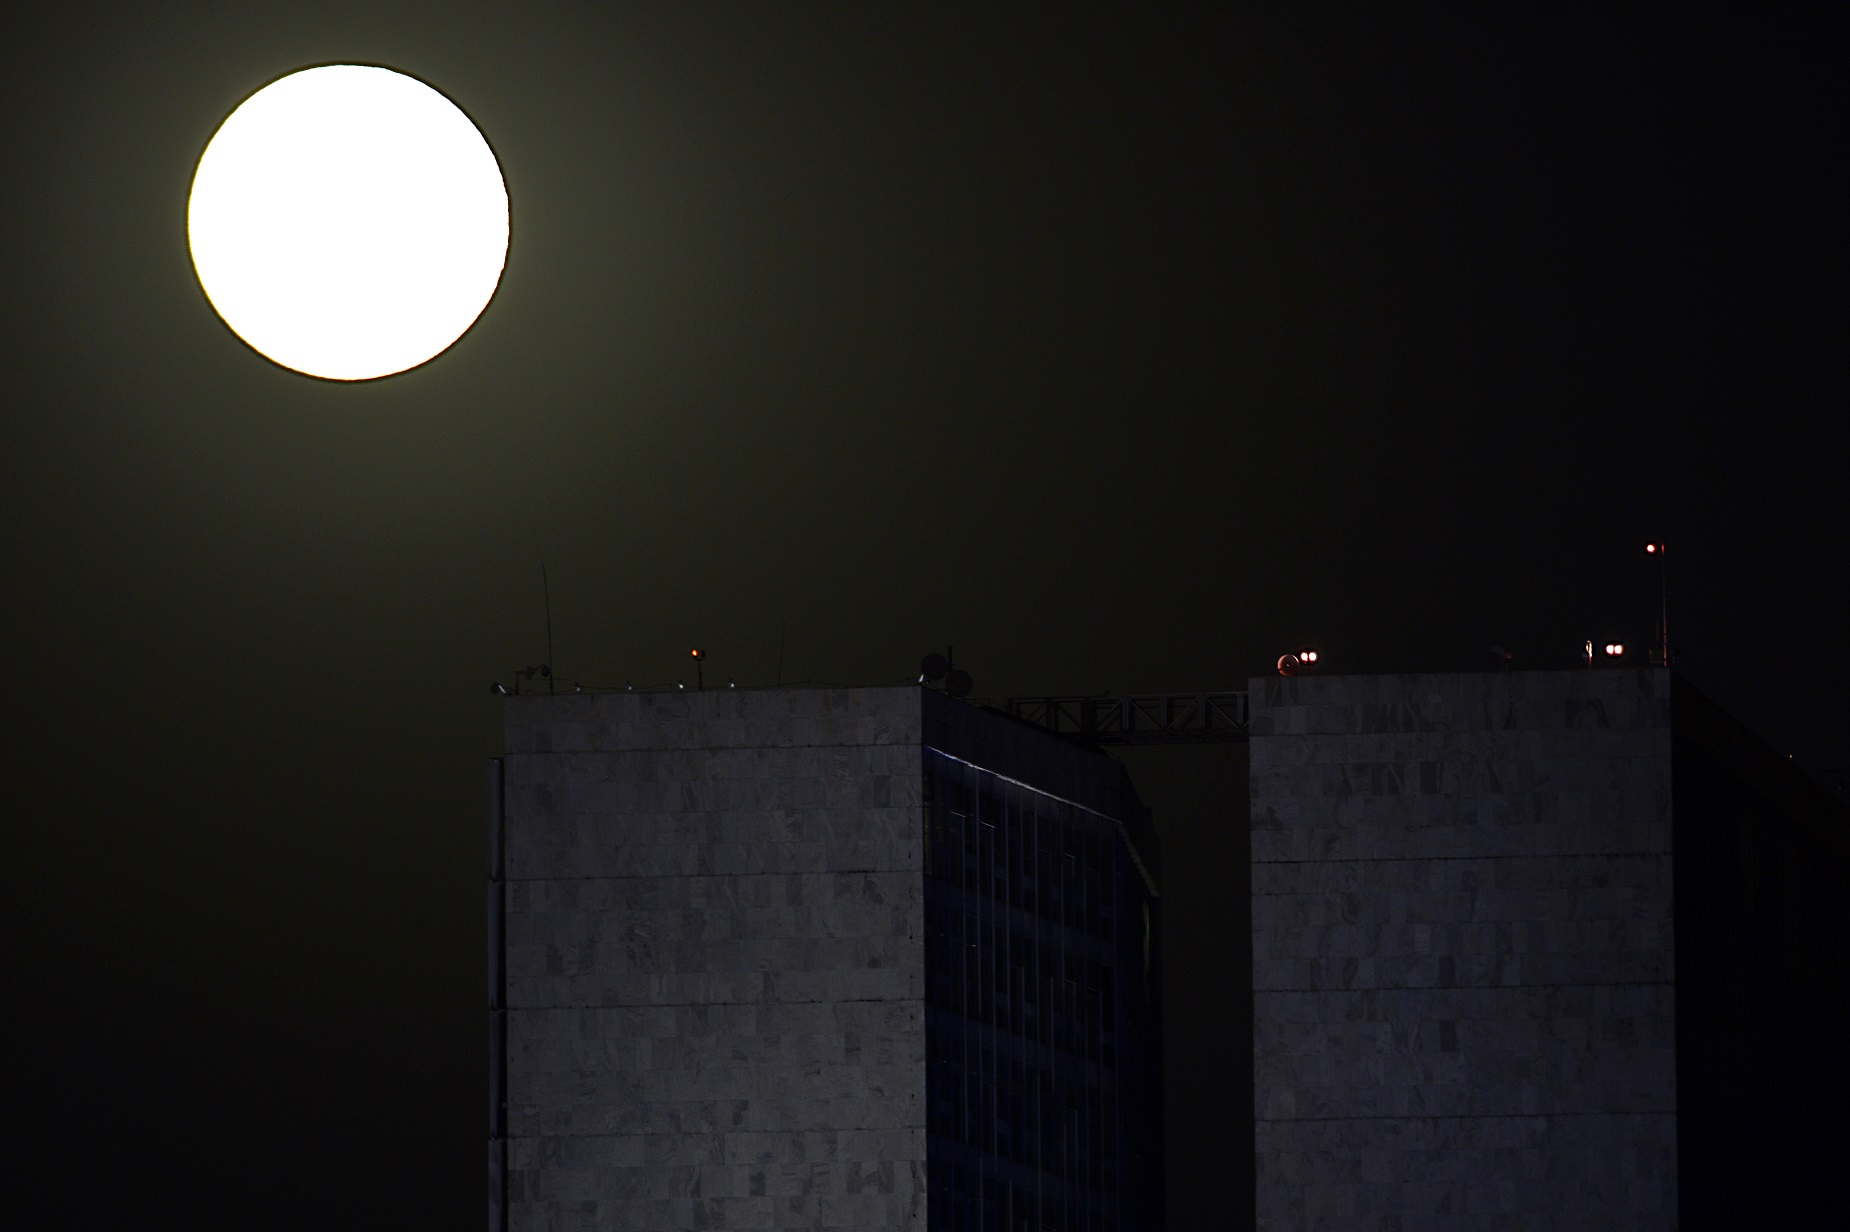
(1463, 961)
(714, 961)
(867, 959)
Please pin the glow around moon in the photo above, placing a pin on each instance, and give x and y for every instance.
(348, 222)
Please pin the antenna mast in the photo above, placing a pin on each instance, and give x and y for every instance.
(552, 677)
(1662, 552)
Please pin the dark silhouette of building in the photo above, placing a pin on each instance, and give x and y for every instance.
(851, 958)
(1762, 921)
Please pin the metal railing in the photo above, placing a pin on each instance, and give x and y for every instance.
(1149, 718)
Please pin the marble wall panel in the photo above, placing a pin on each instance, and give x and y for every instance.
(715, 956)
(1462, 951)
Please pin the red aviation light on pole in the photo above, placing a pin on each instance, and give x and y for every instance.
(699, 681)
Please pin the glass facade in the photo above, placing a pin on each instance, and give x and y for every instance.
(1042, 1018)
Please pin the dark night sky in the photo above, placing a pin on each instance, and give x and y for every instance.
(1123, 351)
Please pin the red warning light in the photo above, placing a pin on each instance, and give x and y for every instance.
(698, 655)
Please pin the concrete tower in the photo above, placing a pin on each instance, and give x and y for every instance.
(1539, 950)
(804, 958)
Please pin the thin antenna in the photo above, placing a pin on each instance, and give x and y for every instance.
(552, 677)
(1662, 552)
(1663, 599)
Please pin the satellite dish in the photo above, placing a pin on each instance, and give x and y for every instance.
(1287, 665)
(958, 683)
(933, 667)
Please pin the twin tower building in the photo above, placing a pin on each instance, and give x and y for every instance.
(1540, 950)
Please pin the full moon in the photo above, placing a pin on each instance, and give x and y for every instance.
(348, 222)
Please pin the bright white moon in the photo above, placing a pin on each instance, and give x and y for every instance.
(348, 222)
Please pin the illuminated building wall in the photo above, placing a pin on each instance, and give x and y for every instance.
(857, 959)
(1541, 949)
(1463, 951)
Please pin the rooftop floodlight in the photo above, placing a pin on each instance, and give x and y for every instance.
(1290, 664)
(498, 687)
(1614, 649)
